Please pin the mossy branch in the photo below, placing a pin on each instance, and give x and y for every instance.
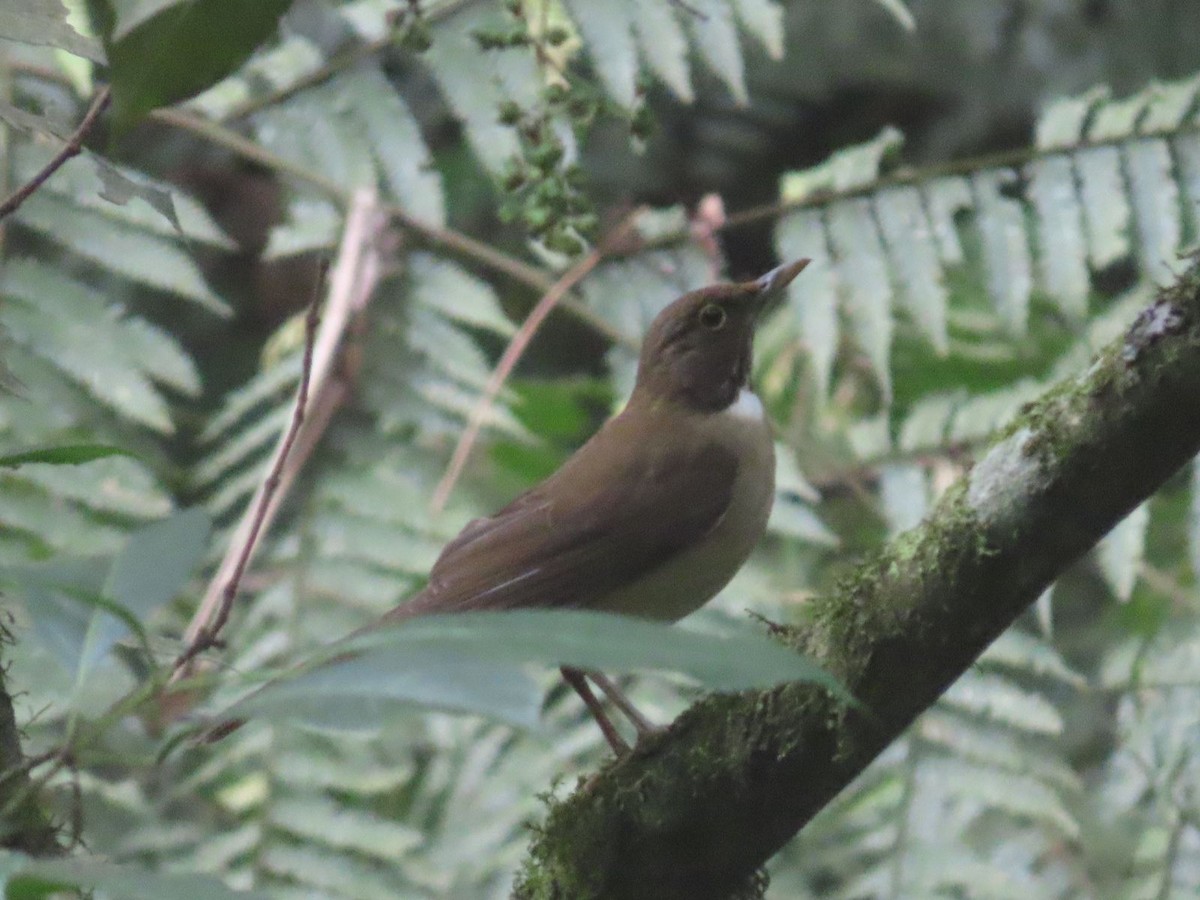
(696, 813)
(25, 825)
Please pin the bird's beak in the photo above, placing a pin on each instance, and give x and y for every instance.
(768, 290)
(779, 278)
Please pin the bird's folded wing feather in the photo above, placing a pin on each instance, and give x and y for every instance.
(601, 522)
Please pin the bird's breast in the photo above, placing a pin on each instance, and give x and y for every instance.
(691, 578)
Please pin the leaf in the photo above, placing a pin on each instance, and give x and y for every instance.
(163, 51)
(44, 23)
(446, 288)
(1061, 124)
(716, 41)
(900, 13)
(78, 331)
(70, 345)
(153, 566)
(28, 879)
(63, 455)
(1156, 204)
(863, 276)
(945, 198)
(928, 421)
(157, 560)
(1168, 105)
(608, 35)
(326, 822)
(1193, 520)
(95, 183)
(798, 521)
(903, 494)
(812, 299)
(1006, 259)
(362, 693)
(151, 260)
(846, 170)
(1062, 247)
(50, 591)
(467, 79)
(1003, 702)
(663, 44)
(398, 146)
(1120, 552)
(471, 662)
(913, 255)
(764, 20)
(1105, 207)
(118, 485)
(1187, 156)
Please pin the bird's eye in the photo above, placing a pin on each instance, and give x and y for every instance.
(713, 317)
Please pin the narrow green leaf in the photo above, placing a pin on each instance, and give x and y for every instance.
(472, 662)
(29, 878)
(64, 455)
(361, 693)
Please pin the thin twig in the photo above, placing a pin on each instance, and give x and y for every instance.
(352, 282)
(207, 634)
(514, 351)
(73, 147)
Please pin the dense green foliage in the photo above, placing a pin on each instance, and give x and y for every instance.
(150, 302)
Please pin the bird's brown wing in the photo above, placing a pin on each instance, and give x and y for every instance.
(602, 521)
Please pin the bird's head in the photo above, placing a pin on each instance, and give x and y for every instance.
(698, 350)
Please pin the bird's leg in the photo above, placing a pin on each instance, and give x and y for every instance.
(643, 725)
(576, 679)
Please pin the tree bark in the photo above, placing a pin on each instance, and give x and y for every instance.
(695, 813)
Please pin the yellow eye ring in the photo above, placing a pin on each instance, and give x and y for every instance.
(713, 317)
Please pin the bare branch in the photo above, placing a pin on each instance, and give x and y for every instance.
(354, 278)
(516, 348)
(73, 147)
